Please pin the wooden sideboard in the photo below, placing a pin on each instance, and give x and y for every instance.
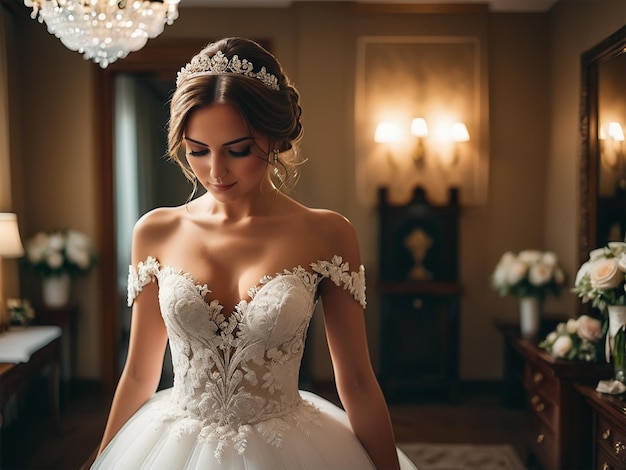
(25, 353)
(561, 420)
(608, 428)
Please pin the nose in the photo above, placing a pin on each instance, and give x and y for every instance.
(219, 167)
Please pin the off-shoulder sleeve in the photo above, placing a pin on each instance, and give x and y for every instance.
(139, 276)
(339, 272)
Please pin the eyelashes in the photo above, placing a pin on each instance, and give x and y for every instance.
(201, 153)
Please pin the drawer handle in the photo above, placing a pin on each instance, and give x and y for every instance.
(619, 448)
(540, 438)
(535, 400)
(538, 377)
(539, 408)
(605, 466)
(417, 304)
(606, 434)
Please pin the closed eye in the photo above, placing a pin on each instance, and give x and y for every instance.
(198, 153)
(243, 153)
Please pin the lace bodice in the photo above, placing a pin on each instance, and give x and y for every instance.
(239, 371)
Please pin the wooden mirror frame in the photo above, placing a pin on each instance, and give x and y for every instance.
(609, 48)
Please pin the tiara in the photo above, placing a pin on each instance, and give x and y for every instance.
(219, 64)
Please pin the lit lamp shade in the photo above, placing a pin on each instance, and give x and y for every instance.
(10, 242)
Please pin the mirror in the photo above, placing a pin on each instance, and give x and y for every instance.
(603, 158)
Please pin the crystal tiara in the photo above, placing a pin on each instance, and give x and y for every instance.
(219, 64)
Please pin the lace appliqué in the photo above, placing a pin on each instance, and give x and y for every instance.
(236, 373)
(339, 272)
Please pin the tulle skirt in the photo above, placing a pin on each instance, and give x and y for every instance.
(328, 444)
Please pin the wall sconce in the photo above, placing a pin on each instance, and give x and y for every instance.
(10, 247)
(458, 134)
(388, 132)
(419, 129)
(613, 155)
(445, 144)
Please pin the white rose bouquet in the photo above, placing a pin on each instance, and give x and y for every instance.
(60, 252)
(529, 273)
(601, 279)
(576, 339)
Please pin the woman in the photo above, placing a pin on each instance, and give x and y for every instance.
(231, 279)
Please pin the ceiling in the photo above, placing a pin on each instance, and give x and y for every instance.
(494, 5)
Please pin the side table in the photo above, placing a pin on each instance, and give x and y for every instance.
(560, 436)
(24, 353)
(609, 428)
(67, 319)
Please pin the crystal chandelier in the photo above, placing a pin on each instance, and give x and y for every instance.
(104, 30)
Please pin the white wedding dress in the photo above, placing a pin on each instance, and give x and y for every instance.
(235, 402)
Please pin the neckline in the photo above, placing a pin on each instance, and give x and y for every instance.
(216, 304)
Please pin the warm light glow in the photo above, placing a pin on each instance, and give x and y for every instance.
(104, 30)
(459, 132)
(387, 132)
(615, 131)
(10, 243)
(419, 128)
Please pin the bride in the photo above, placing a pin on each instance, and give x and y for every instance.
(231, 280)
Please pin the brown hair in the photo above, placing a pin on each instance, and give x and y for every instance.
(275, 114)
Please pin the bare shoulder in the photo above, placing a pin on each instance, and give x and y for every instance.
(336, 234)
(153, 229)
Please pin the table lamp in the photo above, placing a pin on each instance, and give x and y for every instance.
(10, 247)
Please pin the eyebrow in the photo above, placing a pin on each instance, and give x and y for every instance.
(240, 139)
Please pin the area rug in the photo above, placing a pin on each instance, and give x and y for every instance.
(463, 457)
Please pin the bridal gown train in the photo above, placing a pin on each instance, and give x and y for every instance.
(235, 402)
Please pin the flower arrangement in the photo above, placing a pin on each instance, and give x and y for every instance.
(601, 279)
(576, 339)
(20, 311)
(60, 252)
(530, 273)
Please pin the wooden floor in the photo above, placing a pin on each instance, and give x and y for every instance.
(32, 441)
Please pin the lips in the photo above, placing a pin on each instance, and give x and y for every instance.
(223, 187)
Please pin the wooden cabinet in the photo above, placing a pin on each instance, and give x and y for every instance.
(419, 297)
(608, 439)
(561, 421)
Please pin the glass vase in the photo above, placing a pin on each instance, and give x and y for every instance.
(616, 341)
(529, 316)
(56, 291)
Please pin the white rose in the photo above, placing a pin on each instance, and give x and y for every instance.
(539, 274)
(551, 337)
(56, 241)
(605, 274)
(589, 328)
(499, 276)
(621, 264)
(516, 272)
(617, 248)
(596, 254)
(550, 259)
(78, 256)
(582, 272)
(571, 326)
(530, 256)
(562, 346)
(54, 259)
(507, 258)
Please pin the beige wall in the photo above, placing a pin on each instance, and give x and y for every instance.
(533, 88)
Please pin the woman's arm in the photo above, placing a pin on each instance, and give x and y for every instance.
(356, 382)
(148, 340)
